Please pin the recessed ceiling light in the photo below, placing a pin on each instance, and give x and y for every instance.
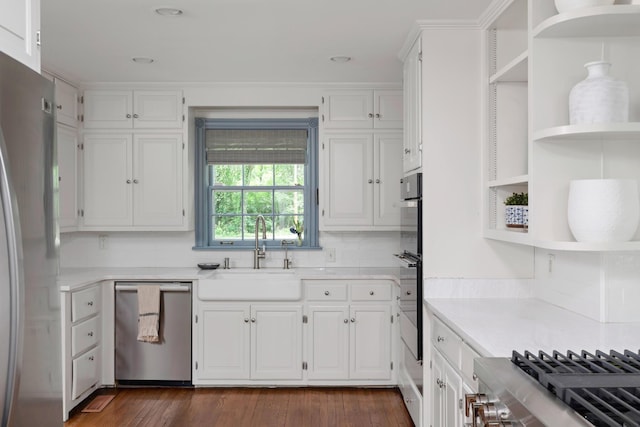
(142, 60)
(168, 11)
(340, 58)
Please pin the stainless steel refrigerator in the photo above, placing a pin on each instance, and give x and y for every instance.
(30, 347)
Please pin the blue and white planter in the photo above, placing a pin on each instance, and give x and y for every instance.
(516, 216)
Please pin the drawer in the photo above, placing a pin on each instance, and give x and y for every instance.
(411, 396)
(85, 335)
(408, 292)
(371, 291)
(85, 372)
(85, 303)
(447, 341)
(467, 355)
(326, 290)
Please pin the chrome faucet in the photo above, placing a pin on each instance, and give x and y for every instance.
(257, 252)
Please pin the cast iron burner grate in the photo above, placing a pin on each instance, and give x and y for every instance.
(603, 388)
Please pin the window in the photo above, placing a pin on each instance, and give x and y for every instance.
(251, 167)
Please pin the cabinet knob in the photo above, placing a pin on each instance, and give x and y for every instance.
(59, 107)
(246, 320)
(135, 116)
(353, 320)
(370, 181)
(253, 320)
(90, 303)
(370, 115)
(135, 181)
(128, 116)
(378, 115)
(327, 293)
(346, 320)
(128, 181)
(407, 151)
(90, 334)
(408, 292)
(440, 339)
(91, 358)
(377, 181)
(371, 293)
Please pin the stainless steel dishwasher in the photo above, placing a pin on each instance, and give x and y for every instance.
(167, 362)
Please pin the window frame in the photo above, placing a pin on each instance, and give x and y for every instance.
(202, 181)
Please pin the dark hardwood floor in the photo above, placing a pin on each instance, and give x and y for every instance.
(237, 407)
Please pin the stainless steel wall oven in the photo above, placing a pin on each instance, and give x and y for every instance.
(411, 262)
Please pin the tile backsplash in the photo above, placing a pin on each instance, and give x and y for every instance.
(174, 249)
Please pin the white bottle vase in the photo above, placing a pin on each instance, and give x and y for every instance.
(603, 210)
(599, 98)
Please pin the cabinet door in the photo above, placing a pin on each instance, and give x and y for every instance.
(387, 109)
(107, 180)
(276, 344)
(370, 342)
(66, 103)
(348, 109)
(157, 180)
(453, 400)
(223, 340)
(348, 180)
(437, 402)
(108, 109)
(19, 24)
(68, 177)
(328, 343)
(157, 109)
(388, 171)
(412, 100)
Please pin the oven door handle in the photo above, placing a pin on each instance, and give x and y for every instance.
(406, 262)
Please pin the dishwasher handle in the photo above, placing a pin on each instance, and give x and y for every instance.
(163, 288)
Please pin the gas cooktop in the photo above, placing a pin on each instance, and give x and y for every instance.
(604, 388)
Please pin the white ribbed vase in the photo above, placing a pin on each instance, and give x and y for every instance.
(599, 98)
(566, 5)
(603, 210)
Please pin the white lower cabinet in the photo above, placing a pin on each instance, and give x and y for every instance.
(81, 345)
(451, 376)
(349, 330)
(247, 342)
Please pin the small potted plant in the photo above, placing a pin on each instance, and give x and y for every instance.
(516, 213)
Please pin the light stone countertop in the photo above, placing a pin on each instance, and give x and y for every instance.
(75, 278)
(496, 327)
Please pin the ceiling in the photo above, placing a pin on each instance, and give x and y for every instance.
(236, 40)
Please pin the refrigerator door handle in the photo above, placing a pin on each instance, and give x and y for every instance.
(12, 228)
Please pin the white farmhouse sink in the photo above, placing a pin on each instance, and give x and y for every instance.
(254, 285)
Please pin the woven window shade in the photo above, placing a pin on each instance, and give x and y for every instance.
(256, 146)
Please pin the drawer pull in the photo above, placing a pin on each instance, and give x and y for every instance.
(440, 338)
(90, 303)
(408, 292)
(371, 293)
(327, 293)
(90, 334)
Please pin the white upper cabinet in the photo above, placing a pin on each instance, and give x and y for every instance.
(66, 103)
(361, 181)
(68, 171)
(133, 181)
(20, 31)
(412, 90)
(139, 109)
(362, 109)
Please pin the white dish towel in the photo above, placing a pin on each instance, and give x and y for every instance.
(148, 313)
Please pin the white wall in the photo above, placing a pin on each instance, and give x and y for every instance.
(452, 160)
(173, 249)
